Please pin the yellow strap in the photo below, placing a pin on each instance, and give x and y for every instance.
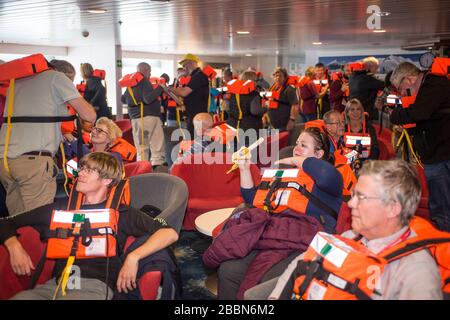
(65, 277)
(408, 139)
(130, 91)
(178, 118)
(238, 99)
(319, 110)
(9, 125)
(66, 180)
(209, 96)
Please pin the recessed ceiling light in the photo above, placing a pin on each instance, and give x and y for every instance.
(96, 10)
(243, 32)
(379, 30)
(383, 13)
(248, 54)
(318, 43)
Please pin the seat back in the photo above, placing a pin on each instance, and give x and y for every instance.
(344, 221)
(209, 180)
(136, 168)
(127, 130)
(166, 192)
(10, 283)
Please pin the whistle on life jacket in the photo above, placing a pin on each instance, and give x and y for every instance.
(131, 80)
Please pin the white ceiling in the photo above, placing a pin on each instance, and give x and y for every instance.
(209, 26)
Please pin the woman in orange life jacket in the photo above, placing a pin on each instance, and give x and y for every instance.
(103, 135)
(357, 122)
(283, 116)
(384, 201)
(98, 174)
(311, 156)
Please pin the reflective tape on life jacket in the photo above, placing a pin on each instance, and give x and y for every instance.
(337, 268)
(223, 133)
(126, 150)
(97, 73)
(23, 67)
(89, 228)
(358, 140)
(131, 80)
(282, 189)
(320, 83)
(236, 86)
(83, 234)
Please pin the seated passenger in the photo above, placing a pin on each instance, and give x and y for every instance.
(203, 123)
(105, 136)
(357, 122)
(99, 173)
(241, 268)
(383, 204)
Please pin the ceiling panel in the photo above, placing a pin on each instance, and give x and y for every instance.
(209, 27)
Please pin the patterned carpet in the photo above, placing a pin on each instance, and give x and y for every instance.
(189, 251)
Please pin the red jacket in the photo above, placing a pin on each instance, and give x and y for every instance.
(275, 236)
(308, 94)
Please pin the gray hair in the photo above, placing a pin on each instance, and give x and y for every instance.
(327, 116)
(248, 75)
(398, 182)
(143, 66)
(64, 67)
(403, 70)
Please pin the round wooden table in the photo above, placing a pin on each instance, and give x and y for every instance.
(206, 223)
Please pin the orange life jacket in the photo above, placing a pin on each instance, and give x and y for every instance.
(356, 66)
(337, 268)
(184, 80)
(282, 189)
(3, 90)
(338, 76)
(319, 83)
(273, 96)
(303, 81)
(223, 133)
(209, 72)
(348, 178)
(86, 234)
(131, 80)
(22, 68)
(126, 150)
(185, 146)
(360, 140)
(81, 87)
(318, 123)
(441, 67)
(101, 74)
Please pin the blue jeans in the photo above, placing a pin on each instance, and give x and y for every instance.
(438, 180)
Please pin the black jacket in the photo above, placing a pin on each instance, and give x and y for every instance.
(95, 94)
(252, 111)
(364, 87)
(431, 113)
(143, 92)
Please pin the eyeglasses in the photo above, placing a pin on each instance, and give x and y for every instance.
(87, 169)
(339, 122)
(360, 197)
(99, 130)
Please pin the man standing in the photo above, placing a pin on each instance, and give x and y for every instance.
(196, 93)
(364, 86)
(431, 113)
(30, 181)
(153, 137)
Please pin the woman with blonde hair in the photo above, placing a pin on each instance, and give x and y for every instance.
(356, 122)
